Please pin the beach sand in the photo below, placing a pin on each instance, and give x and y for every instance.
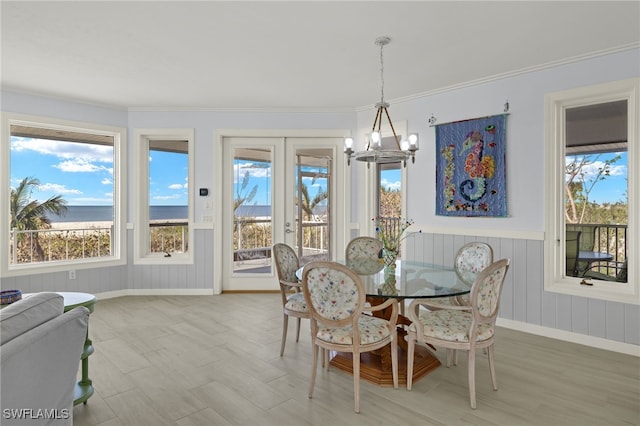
(80, 225)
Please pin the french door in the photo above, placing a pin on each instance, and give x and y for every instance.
(277, 189)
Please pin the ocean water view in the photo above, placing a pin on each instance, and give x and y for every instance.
(105, 213)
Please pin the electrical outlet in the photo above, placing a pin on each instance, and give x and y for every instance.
(72, 274)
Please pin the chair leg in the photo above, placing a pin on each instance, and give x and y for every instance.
(492, 368)
(471, 366)
(455, 357)
(410, 349)
(298, 330)
(314, 369)
(356, 380)
(394, 361)
(285, 324)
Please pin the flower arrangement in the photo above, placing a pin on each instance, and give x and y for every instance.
(390, 230)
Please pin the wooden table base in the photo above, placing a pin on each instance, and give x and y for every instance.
(373, 370)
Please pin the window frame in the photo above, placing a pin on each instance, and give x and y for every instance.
(369, 174)
(141, 227)
(556, 105)
(119, 134)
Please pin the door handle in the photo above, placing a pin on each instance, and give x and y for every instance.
(288, 231)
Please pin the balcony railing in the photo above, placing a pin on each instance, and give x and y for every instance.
(169, 237)
(50, 245)
(252, 239)
(605, 238)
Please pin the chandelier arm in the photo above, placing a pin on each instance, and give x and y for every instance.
(377, 120)
(392, 129)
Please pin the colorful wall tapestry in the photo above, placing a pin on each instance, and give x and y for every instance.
(470, 167)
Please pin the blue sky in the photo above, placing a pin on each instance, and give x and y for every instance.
(614, 187)
(83, 174)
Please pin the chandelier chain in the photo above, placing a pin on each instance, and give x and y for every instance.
(381, 73)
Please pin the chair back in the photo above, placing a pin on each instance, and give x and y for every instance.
(587, 236)
(471, 259)
(486, 290)
(287, 263)
(571, 248)
(622, 275)
(334, 294)
(363, 255)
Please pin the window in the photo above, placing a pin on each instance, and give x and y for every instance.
(164, 206)
(64, 188)
(385, 183)
(389, 189)
(592, 210)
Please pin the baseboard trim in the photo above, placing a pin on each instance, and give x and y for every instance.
(155, 292)
(568, 336)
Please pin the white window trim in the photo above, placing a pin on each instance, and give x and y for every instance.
(141, 225)
(119, 135)
(556, 105)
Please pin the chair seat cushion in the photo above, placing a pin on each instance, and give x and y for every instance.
(296, 302)
(372, 330)
(452, 326)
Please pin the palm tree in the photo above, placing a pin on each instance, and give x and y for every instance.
(28, 214)
(308, 203)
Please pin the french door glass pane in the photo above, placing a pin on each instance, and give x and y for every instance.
(313, 204)
(252, 224)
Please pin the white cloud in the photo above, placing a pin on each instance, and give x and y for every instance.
(166, 197)
(87, 152)
(79, 165)
(591, 170)
(57, 188)
(256, 170)
(390, 186)
(176, 186)
(106, 181)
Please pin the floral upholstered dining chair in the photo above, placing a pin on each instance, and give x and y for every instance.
(363, 255)
(461, 327)
(471, 259)
(335, 297)
(293, 303)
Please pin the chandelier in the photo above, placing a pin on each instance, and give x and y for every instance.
(375, 152)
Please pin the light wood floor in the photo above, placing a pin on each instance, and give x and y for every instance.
(214, 360)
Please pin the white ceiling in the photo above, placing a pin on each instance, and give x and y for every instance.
(295, 55)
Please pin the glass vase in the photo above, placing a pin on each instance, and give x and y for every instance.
(389, 257)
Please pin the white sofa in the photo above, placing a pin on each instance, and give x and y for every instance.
(40, 347)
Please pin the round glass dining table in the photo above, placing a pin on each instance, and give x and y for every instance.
(410, 280)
